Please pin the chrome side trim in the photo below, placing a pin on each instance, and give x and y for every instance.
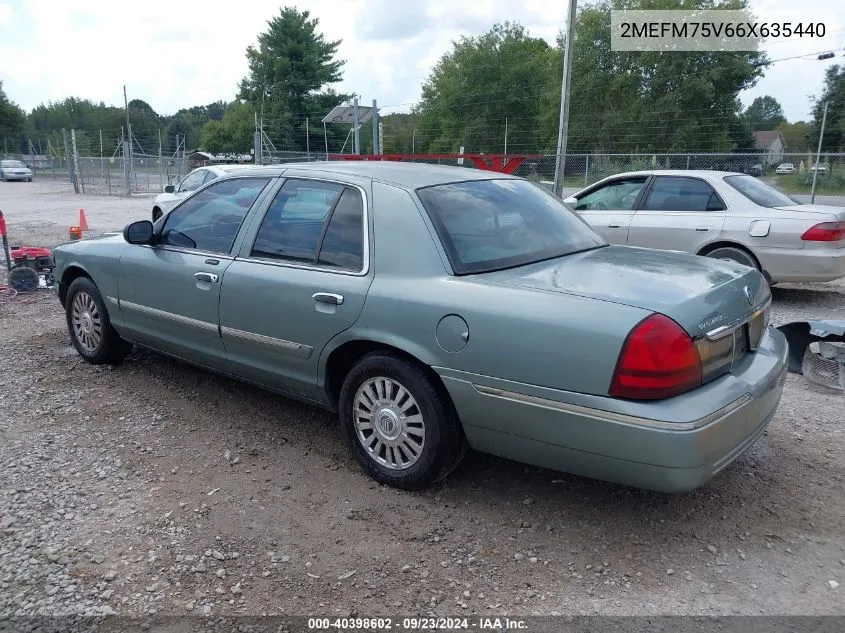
(113, 301)
(289, 347)
(724, 330)
(609, 416)
(170, 316)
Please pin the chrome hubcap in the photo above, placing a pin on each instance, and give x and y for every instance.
(87, 322)
(389, 423)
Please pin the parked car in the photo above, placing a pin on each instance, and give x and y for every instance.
(755, 170)
(785, 169)
(173, 194)
(822, 169)
(723, 215)
(14, 170)
(436, 308)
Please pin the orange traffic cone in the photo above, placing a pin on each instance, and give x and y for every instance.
(83, 223)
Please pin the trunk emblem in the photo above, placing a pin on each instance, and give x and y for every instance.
(749, 295)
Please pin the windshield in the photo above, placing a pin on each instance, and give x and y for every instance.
(487, 225)
(759, 192)
(12, 163)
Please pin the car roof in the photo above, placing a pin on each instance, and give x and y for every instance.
(407, 175)
(699, 173)
(229, 167)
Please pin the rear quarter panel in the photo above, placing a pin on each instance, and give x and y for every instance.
(521, 335)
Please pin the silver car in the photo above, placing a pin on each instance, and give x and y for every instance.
(174, 194)
(14, 170)
(724, 215)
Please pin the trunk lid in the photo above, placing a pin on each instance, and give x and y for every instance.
(835, 213)
(699, 293)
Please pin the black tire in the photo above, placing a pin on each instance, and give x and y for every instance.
(29, 179)
(739, 255)
(444, 444)
(107, 347)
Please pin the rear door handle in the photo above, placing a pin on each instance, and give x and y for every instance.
(614, 226)
(328, 297)
(702, 229)
(207, 277)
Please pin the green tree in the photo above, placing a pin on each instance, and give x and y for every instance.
(288, 74)
(648, 101)
(764, 113)
(233, 134)
(12, 121)
(502, 74)
(834, 94)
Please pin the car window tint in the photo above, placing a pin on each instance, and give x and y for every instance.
(620, 195)
(681, 194)
(759, 192)
(343, 243)
(193, 180)
(293, 225)
(210, 220)
(500, 223)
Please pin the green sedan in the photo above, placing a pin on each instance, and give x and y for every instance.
(437, 309)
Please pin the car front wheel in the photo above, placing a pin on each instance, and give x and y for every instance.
(399, 423)
(88, 324)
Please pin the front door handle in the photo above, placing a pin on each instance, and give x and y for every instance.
(702, 229)
(614, 226)
(328, 297)
(207, 277)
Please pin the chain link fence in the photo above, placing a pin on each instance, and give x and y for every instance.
(149, 174)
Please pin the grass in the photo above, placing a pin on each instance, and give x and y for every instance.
(832, 183)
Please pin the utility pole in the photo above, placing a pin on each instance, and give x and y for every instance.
(375, 128)
(506, 136)
(564, 100)
(356, 137)
(818, 155)
(414, 141)
(307, 140)
(326, 140)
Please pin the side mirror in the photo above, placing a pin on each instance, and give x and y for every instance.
(140, 232)
(169, 188)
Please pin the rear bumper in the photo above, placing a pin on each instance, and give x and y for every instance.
(803, 265)
(674, 445)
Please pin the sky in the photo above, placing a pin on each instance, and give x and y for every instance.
(179, 53)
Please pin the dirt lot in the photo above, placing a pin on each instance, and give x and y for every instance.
(159, 488)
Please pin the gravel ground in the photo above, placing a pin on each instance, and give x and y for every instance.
(159, 488)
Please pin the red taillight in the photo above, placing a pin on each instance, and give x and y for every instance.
(658, 360)
(825, 232)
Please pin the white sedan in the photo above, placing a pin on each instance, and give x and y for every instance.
(718, 214)
(173, 195)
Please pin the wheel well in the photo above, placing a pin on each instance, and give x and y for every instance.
(68, 278)
(712, 247)
(342, 359)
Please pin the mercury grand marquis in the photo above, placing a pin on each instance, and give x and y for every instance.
(439, 308)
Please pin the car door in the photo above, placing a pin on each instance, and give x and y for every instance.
(300, 279)
(169, 293)
(610, 207)
(681, 213)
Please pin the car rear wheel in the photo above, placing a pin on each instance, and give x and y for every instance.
(734, 254)
(401, 426)
(88, 324)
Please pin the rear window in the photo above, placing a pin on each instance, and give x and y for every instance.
(487, 225)
(759, 192)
